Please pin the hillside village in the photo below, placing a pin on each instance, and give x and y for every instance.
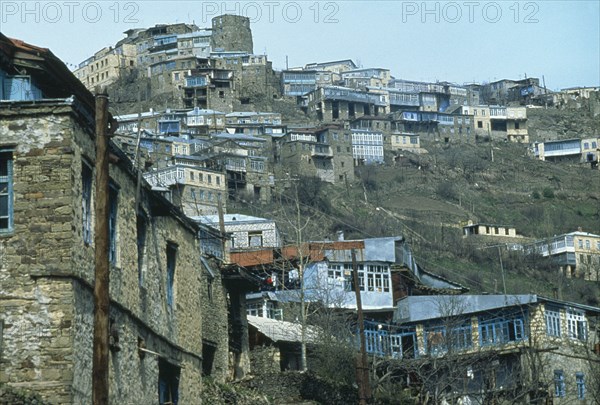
(255, 236)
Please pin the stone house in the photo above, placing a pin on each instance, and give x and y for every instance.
(245, 159)
(496, 348)
(335, 103)
(405, 141)
(193, 188)
(471, 229)
(576, 254)
(324, 152)
(387, 272)
(159, 286)
(107, 65)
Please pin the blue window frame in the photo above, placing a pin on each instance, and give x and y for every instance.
(384, 340)
(6, 190)
(441, 339)
(86, 202)
(113, 200)
(501, 329)
(580, 379)
(559, 383)
(171, 263)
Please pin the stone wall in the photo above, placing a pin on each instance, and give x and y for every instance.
(295, 386)
(36, 313)
(47, 271)
(231, 33)
(215, 333)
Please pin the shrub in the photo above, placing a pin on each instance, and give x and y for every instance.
(446, 190)
(548, 192)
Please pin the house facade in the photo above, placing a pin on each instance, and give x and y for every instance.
(158, 288)
(471, 229)
(576, 254)
(492, 347)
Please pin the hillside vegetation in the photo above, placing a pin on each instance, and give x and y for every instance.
(427, 197)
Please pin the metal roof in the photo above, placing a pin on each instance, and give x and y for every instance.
(282, 331)
(422, 308)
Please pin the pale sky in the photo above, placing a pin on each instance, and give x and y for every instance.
(456, 41)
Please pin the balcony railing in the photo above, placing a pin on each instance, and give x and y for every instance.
(166, 177)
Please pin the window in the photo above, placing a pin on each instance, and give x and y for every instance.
(587, 244)
(559, 383)
(113, 198)
(576, 324)
(580, 243)
(86, 191)
(168, 383)
(142, 228)
(501, 329)
(255, 239)
(6, 190)
(552, 316)
(171, 262)
(440, 339)
(579, 379)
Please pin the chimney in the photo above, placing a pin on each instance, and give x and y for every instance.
(340, 235)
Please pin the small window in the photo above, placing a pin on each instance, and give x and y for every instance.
(142, 229)
(86, 196)
(171, 263)
(6, 190)
(168, 383)
(255, 239)
(579, 379)
(559, 383)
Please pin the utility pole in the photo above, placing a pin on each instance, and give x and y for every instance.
(362, 365)
(502, 270)
(101, 295)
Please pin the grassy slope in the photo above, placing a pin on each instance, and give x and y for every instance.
(427, 198)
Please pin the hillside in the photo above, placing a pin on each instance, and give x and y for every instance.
(426, 198)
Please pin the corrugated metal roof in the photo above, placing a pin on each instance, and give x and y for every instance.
(422, 308)
(282, 331)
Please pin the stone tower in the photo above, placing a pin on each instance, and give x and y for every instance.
(231, 33)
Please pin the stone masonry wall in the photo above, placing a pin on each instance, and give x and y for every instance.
(215, 325)
(46, 274)
(37, 313)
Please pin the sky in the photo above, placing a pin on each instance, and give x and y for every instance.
(457, 41)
